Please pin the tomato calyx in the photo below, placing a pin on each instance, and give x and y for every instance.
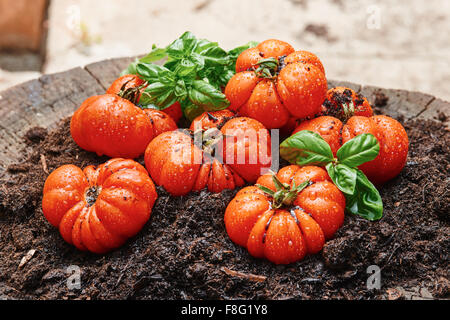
(267, 68)
(284, 195)
(132, 94)
(342, 105)
(92, 194)
(207, 140)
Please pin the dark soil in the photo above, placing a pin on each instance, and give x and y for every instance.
(184, 252)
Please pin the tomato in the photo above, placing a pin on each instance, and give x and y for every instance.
(246, 147)
(274, 83)
(110, 125)
(343, 103)
(115, 125)
(131, 81)
(98, 209)
(208, 120)
(174, 111)
(389, 132)
(128, 81)
(286, 231)
(181, 164)
(393, 141)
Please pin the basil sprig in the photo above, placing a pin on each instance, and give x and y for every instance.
(309, 148)
(195, 72)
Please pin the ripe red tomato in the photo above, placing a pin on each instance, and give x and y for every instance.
(113, 124)
(110, 125)
(344, 103)
(389, 132)
(208, 120)
(130, 81)
(284, 232)
(98, 209)
(295, 86)
(180, 164)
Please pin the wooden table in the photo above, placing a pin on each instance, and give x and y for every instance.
(44, 101)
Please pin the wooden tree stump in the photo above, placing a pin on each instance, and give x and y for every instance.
(45, 101)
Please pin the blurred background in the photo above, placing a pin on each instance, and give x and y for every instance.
(402, 44)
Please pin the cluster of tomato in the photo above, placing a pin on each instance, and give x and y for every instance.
(286, 216)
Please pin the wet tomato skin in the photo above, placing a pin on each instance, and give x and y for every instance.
(329, 128)
(130, 81)
(246, 147)
(340, 97)
(98, 209)
(302, 98)
(110, 125)
(305, 57)
(288, 234)
(390, 134)
(297, 90)
(180, 166)
(127, 81)
(394, 145)
(208, 120)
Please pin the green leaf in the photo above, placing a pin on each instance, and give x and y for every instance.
(190, 110)
(131, 69)
(207, 96)
(366, 200)
(306, 147)
(343, 177)
(203, 44)
(152, 72)
(155, 55)
(234, 53)
(214, 56)
(181, 91)
(162, 95)
(361, 149)
(182, 47)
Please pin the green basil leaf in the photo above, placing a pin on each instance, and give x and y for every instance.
(131, 69)
(203, 44)
(181, 91)
(182, 47)
(355, 152)
(155, 55)
(306, 147)
(206, 96)
(151, 72)
(171, 64)
(214, 56)
(160, 94)
(343, 177)
(198, 60)
(366, 201)
(190, 110)
(234, 53)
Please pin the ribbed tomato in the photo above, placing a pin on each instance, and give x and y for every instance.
(274, 83)
(98, 209)
(344, 103)
(389, 132)
(182, 161)
(208, 120)
(131, 81)
(110, 125)
(286, 217)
